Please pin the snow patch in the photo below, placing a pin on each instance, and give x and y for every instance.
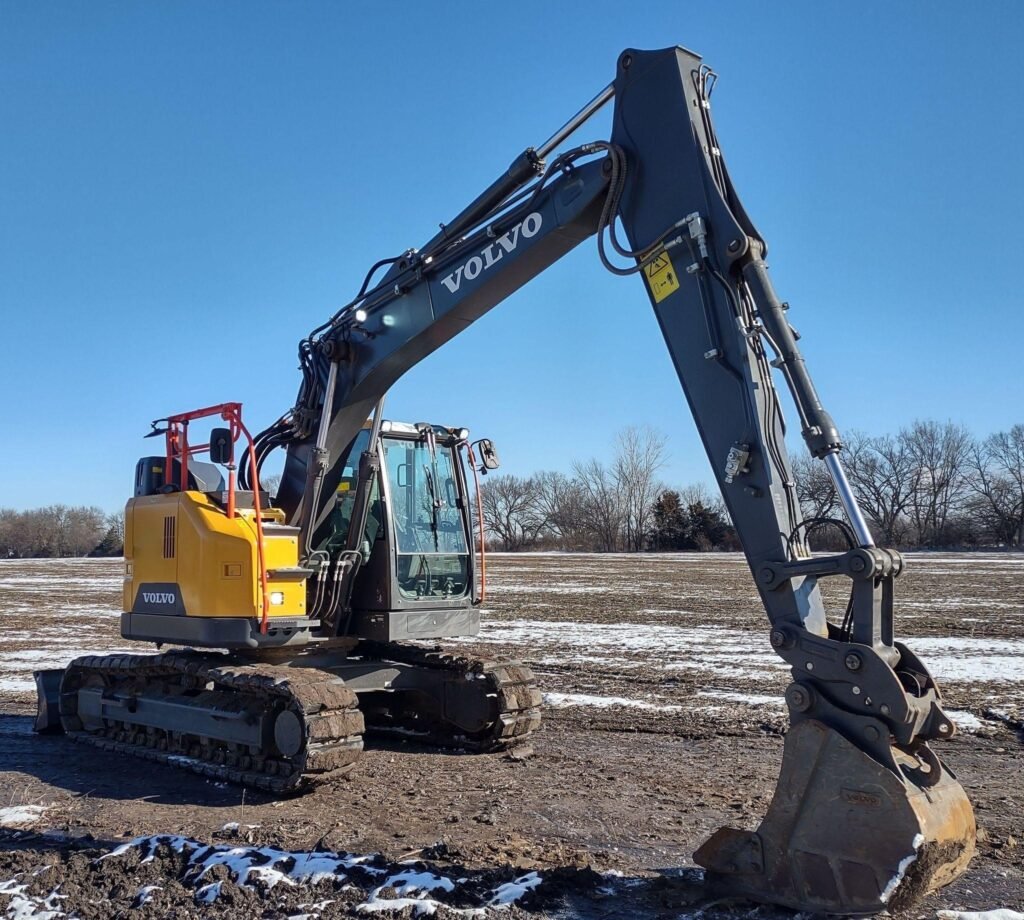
(700, 647)
(144, 895)
(750, 699)
(209, 893)
(412, 888)
(966, 722)
(514, 890)
(265, 867)
(564, 700)
(233, 827)
(22, 906)
(999, 914)
(17, 684)
(545, 589)
(421, 907)
(976, 666)
(21, 815)
(901, 871)
(314, 909)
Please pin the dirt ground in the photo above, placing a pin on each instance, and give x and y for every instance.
(663, 722)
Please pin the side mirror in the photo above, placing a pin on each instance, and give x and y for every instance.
(220, 445)
(488, 453)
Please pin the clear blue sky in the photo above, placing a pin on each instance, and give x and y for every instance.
(187, 188)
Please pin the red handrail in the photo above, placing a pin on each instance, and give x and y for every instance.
(480, 523)
(179, 449)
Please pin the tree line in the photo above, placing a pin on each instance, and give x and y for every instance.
(931, 485)
(618, 505)
(59, 530)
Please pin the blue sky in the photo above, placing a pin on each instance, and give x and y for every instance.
(187, 188)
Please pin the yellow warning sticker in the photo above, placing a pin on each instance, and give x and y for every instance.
(661, 277)
(344, 486)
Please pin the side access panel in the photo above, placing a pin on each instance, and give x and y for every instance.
(400, 625)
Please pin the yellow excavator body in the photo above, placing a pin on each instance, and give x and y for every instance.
(184, 556)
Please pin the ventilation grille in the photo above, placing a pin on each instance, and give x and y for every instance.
(169, 537)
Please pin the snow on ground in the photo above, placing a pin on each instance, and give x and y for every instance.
(17, 684)
(952, 659)
(685, 625)
(17, 666)
(997, 914)
(562, 700)
(23, 906)
(20, 815)
(547, 589)
(749, 699)
(701, 647)
(739, 655)
(73, 606)
(966, 722)
(512, 891)
(391, 887)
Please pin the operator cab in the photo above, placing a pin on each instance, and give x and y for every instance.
(417, 577)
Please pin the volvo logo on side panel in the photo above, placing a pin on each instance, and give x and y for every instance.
(159, 597)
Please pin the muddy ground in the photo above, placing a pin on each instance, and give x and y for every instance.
(664, 721)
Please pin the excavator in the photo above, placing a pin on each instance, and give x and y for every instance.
(296, 625)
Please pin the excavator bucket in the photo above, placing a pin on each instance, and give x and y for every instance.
(845, 834)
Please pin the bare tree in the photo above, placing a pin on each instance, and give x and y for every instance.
(561, 502)
(941, 453)
(698, 493)
(37, 534)
(270, 483)
(884, 473)
(997, 479)
(56, 530)
(640, 455)
(10, 537)
(603, 504)
(115, 524)
(83, 529)
(112, 543)
(511, 511)
(814, 487)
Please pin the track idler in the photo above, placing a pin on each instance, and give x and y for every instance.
(845, 834)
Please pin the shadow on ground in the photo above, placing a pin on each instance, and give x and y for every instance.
(84, 770)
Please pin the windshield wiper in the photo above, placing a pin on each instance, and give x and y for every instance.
(435, 505)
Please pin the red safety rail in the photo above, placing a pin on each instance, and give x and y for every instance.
(179, 449)
(479, 523)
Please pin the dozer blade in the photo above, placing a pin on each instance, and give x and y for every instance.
(845, 834)
(48, 701)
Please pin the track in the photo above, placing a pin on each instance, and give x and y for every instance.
(327, 710)
(514, 708)
(328, 724)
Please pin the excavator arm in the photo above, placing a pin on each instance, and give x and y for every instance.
(865, 816)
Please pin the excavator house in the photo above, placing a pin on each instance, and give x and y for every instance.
(295, 625)
(209, 566)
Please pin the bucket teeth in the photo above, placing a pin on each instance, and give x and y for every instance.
(845, 834)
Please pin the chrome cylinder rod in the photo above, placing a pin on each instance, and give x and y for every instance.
(378, 419)
(848, 500)
(325, 409)
(576, 121)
